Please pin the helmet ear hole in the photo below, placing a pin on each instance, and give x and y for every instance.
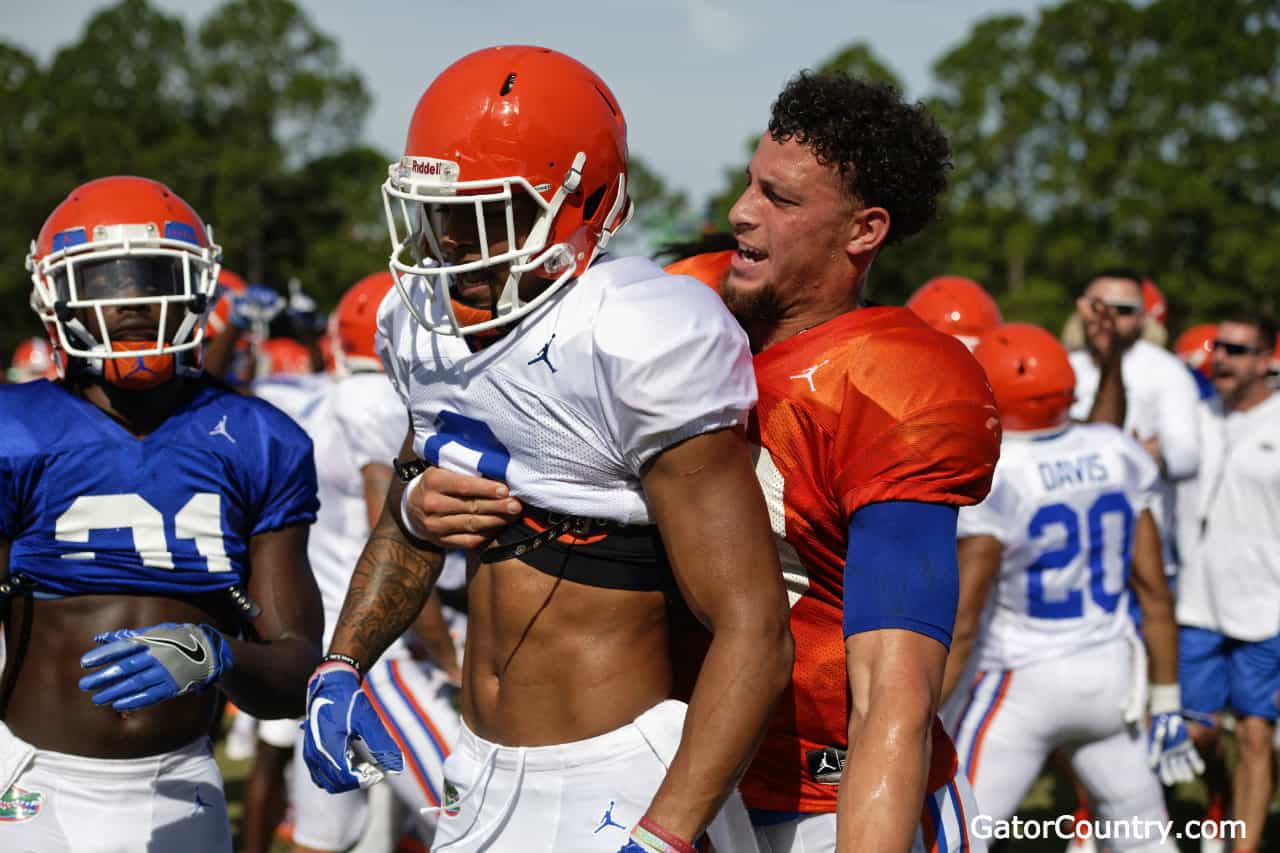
(592, 204)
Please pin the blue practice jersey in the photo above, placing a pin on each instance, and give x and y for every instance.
(89, 508)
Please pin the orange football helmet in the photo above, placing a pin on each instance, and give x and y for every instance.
(220, 315)
(507, 123)
(1030, 374)
(118, 241)
(283, 355)
(33, 359)
(710, 268)
(354, 324)
(1153, 302)
(958, 306)
(1195, 347)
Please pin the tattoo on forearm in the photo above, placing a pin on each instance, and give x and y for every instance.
(391, 582)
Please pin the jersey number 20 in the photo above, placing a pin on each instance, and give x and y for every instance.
(1098, 547)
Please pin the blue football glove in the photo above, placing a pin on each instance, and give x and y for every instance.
(1170, 751)
(143, 666)
(303, 311)
(344, 743)
(258, 305)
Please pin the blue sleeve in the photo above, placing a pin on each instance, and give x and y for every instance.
(901, 570)
(8, 500)
(289, 494)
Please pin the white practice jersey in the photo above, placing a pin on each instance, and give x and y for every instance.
(1161, 399)
(569, 406)
(358, 420)
(292, 393)
(1064, 506)
(1231, 583)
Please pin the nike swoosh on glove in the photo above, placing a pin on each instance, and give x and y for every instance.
(344, 743)
(1170, 751)
(143, 666)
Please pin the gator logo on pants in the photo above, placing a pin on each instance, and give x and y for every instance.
(19, 804)
(450, 799)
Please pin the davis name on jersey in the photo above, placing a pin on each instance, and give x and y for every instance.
(569, 406)
(89, 508)
(1064, 506)
(870, 407)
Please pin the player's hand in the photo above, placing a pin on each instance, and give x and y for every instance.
(1170, 751)
(143, 666)
(459, 510)
(344, 743)
(258, 305)
(1099, 324)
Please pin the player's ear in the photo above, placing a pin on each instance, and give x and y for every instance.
(868, 229)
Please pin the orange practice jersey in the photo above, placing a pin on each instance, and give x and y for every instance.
(869, 407)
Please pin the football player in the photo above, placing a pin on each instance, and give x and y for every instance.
(956, 305)
(153, 530)
(1051, 548)
(610, 398)
(358, 423)
(871, 429)
(33, 359)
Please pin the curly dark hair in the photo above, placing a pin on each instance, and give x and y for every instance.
(889, 153)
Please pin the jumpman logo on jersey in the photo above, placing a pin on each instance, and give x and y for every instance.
(139, 366)
(824, 764)
(542, 354)
(608, 820)
(807, 373)
(221, 429)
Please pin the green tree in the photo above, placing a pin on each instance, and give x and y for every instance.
(253, 120)
(21, 185)
(1108, 132)
(277, 91)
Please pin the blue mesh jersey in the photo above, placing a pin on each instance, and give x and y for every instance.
(89, 508)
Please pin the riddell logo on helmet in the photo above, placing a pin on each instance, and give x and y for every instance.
(429, 167)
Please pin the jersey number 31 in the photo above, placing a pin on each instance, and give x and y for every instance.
(200, 519)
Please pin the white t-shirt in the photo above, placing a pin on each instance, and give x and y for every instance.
(1161, 400)
(569, 406)
(1064, 506)
(1231, 583)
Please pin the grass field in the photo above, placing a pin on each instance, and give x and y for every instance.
(1048, 798)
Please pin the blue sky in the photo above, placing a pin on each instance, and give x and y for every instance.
(695, 77)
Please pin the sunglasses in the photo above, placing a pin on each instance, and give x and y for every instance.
(1235, 349)
(1124, 309)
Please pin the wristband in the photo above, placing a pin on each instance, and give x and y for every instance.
(1165, 699)
(346, 660)
(650, 836)
(405, 519)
